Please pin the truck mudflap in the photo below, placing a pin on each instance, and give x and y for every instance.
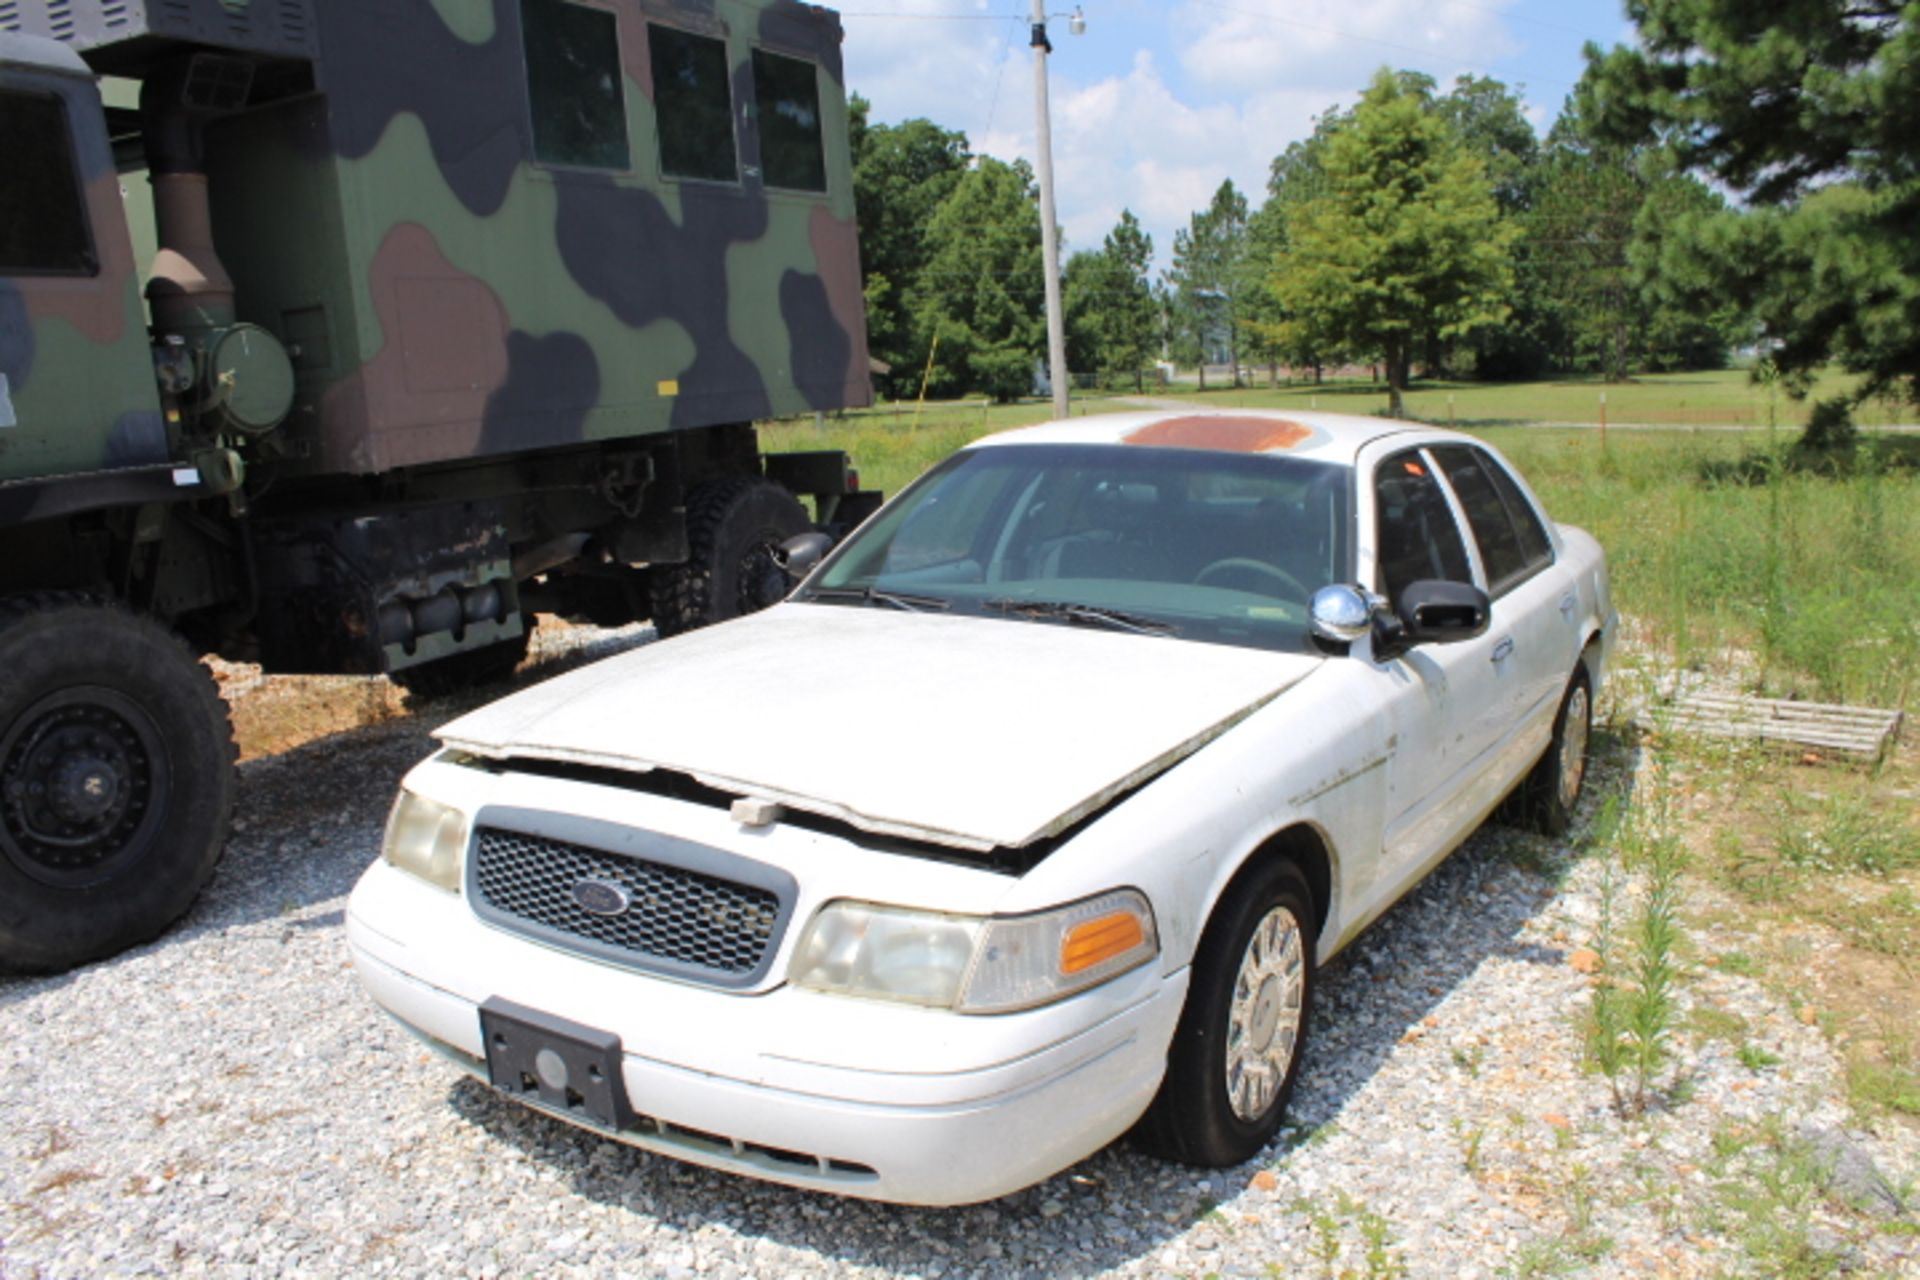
(371, 594)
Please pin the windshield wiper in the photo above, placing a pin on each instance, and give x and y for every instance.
(870, 595)
(1086, 615)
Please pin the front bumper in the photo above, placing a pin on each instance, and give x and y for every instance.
(862, 1098)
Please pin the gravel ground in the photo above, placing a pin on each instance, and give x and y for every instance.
(226, 1101)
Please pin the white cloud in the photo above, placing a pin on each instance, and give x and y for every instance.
(960, 72)
(1234, 83)
(1336, 45)
(1131, 142)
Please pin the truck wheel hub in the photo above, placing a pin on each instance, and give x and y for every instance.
(76, 784)
(84, 788)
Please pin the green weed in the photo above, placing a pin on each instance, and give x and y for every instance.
(1843, 832)
(1884, 1086)
(1634, 1008)
(1330, 1243)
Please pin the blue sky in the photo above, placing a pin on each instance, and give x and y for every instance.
(1161, 99)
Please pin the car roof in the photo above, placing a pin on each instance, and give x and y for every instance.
(1323, 437)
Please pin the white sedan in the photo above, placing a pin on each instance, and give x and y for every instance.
(1022, 824)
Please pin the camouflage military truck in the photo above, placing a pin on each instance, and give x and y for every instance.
(458, 310)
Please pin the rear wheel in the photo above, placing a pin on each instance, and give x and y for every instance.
(1552, 791)
(733, 529)
(116, 780)
(1236, 1053)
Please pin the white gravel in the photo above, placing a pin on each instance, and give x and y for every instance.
(225, 1101)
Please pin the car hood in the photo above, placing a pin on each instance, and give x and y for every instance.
(966, 731)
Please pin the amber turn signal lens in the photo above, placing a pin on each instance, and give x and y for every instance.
(1102, 938)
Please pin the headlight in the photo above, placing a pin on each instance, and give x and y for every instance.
(426, 838)
(974, 964)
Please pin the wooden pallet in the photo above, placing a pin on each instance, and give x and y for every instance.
(1858, 733)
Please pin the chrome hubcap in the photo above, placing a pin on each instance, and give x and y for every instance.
(1573, 748)
(1263, 1023)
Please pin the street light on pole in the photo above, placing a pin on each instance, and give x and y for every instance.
(1049, 230)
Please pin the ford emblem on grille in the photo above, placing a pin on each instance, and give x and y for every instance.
(601, 898)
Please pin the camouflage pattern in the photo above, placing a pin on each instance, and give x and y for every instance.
(80, 392)
(443, 296)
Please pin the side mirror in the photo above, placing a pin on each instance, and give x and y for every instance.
(1341, 614)
(1433, 611)
(799, 555)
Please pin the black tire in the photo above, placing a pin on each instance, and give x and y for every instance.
(1551, 792)
(1205, 1114)
(733, 529)
(116, 780)
(459, 672)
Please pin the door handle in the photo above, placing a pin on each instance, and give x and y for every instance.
(1503, 650)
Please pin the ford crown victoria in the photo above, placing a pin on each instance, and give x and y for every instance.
(1023, 823)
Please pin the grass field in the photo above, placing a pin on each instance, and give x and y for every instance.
(1800, 584)
(1726, 397)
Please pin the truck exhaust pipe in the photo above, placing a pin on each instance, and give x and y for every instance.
(188, 289)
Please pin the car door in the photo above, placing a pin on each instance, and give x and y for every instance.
(1532, 627)
(1446, 700)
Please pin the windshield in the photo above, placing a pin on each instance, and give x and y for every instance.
(1205, 545)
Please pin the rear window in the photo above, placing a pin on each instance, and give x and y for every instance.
(694, 105)
(1513, 545)
(43, 219)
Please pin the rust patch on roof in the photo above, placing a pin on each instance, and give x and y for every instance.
(1235, 435)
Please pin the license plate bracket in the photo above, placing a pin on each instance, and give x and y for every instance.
(561, 1066)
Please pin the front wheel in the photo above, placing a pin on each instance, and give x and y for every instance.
(116, 780)
(1236, 1053)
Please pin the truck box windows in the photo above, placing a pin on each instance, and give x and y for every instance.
(693, 104)
(43, 225)
(787, 99)
(574, 85)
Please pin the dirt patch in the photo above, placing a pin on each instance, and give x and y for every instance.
(274, 714)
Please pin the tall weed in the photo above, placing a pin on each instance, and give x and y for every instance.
(1805, 582)
(1635, 1007)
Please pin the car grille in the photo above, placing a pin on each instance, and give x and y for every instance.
(679, 920)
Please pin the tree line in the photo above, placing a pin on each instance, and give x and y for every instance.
(1430, 232)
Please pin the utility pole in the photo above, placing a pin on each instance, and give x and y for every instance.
(1049, 229)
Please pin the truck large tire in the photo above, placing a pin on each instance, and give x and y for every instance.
(733, 528)
(116, 780)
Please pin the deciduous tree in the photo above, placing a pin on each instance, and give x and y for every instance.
(1405, 239)
(981, 293)
(901, 173)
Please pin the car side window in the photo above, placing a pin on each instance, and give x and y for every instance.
(43, 224)
(1513, 545)
(693, 103)
(1415, 536)
(574, 84)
